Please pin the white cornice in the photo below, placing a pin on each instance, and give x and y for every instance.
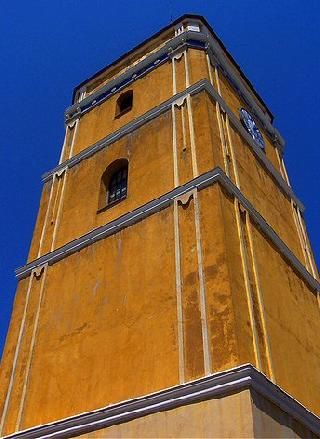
(216, 385)
(154, 206)
(194, 89)
(200, 40)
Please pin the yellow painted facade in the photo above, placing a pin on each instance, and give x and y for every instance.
(196, 288)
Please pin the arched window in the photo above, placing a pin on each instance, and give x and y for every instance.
(124, 103)
(114, 183)
(117, 189)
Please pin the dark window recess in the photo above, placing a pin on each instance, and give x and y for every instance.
(114, 184)
(124, 103)
(118, 186)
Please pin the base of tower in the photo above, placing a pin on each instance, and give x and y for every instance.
(240, 402)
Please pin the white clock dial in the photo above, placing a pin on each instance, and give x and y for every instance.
(250, 125)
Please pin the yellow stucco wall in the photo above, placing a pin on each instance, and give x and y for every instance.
(149, 151)
(101, 121)
(108, 328)
(112, 308)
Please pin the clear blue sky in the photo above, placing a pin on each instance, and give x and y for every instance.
(48, 47)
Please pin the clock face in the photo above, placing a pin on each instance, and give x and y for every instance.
(250, 125)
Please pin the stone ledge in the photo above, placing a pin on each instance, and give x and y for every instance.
(154, 206)
(213, 386)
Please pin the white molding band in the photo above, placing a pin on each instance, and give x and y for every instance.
(203, 85)
(205, 331)
(214, 386)
(31, 347)
(199, 40)
(154, 206)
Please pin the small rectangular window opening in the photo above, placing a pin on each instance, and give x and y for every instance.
(124, 103)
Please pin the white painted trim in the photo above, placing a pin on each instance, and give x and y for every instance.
(209, 69)
(232, 154)
(194, 161)
(186, 67)
(180, 328)
(16, 355)
(184, 130)
(74, 135)
(214, 386)
(44, 226)
(222, 139)
(207, 361)
(174, 76)
(64, 144)
(59, 211)
(201, 182)
(260, 299)
(31, 348)
(314, 270)
(174, 149)
(216, 74)
(248, 288)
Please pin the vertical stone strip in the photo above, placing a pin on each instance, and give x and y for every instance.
(56, 198)
(232, 153)
(202, 288)
(16, 355)
(68, 140)
(174, 78)
(179, 293)
(184, 136)
(260, 301)
(216, 74)
(174, 148)
(223, 140)
(221, 131)
(75, 132)
(209, 69)
(281, 167)
(190, 119)
(261, 317)
(247, 285)
(303, 237)
(284, 175)
(186, 63)
(64, 144)
(202, 292)
(192, 139)
(44, 227)
(58, 216)
(304, 241)
(307, 246)
(300, 235)
(177, 238)
(40, 272)
(253, 292)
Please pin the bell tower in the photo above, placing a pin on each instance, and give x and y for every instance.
(170, 288)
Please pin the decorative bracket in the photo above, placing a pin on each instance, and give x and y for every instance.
(37, 272)
(179, 102)
(185, 198)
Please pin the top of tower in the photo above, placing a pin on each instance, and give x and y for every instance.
(192, 25)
